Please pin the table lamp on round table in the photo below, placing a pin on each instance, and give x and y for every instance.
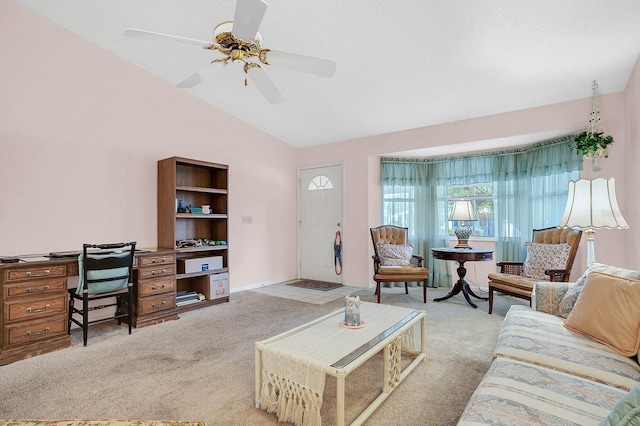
(463, 211)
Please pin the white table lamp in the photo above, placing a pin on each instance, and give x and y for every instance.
(592, 205)
(463, 211)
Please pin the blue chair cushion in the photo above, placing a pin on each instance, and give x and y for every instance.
(106, 286)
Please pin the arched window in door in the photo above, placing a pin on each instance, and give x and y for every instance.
(319, 183)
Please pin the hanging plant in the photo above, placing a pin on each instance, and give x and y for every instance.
(592, 144)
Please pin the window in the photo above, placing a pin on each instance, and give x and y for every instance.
(482, 198)
(398, 206)
(319, 183)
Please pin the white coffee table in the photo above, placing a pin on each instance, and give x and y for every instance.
(297, 361)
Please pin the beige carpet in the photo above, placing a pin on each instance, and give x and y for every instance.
(201, 367)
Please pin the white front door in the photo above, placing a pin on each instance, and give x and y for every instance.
(320, 222)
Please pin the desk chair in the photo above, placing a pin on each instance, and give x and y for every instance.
(104, 273)
(394, 260)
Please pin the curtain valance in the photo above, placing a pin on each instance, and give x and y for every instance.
(540, 159)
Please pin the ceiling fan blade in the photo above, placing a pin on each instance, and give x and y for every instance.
(190, 81)
(301, 63)
(247, 18)
(150, 35)
(264, 83)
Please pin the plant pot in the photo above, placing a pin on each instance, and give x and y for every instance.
(595, 156)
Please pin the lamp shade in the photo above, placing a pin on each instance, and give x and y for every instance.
(462, 210)
(592, 204)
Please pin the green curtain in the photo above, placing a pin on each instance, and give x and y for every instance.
(531, 192)
(531, 188)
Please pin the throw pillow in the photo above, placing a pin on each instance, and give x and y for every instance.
(570, 297)
(626, 412)
(608, 311)
(395, 254)
(541, 257)
(546, 296)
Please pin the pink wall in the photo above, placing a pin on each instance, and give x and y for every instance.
(632, 200)
(81, 133)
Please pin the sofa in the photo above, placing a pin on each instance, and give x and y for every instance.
(569, 359)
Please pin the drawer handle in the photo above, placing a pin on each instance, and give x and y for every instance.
(35, 290)
(153, 287)
(158, 260)
(160, 305)
(46, 272)
(33, 311)
(37, 333)
(164, 271)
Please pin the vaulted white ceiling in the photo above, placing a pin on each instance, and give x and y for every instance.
(400, 64)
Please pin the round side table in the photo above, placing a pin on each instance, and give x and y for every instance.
(462, 255)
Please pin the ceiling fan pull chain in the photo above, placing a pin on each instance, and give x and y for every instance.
(247, 67)
(246, 72)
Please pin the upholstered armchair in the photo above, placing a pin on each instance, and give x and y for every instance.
(394, 260)
(550, 256)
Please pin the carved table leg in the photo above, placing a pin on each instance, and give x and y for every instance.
(461, 286)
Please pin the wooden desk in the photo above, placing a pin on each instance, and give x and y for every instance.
(462, 255)
(34, 305)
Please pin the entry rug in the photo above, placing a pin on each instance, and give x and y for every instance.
(315, 285)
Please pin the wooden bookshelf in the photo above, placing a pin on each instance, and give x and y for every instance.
(195, 183)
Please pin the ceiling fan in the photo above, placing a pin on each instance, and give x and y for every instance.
(239, 40)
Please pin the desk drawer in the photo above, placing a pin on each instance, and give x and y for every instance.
(159, 271)
(29, 331)
(73, 269)
(149, 305)
(167, 259)
(156, 286)
(29, 308)
(19, 274)
(35, 287)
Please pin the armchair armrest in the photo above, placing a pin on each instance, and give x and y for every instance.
(416, 260)
(376, 263)
(546, 296)
(558, 275)
(513, 268)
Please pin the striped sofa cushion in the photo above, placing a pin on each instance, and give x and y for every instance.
(541, 339)
(513, 393)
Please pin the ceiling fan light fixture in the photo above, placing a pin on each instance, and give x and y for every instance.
(223, 35)
(239, 40)
(231, 46)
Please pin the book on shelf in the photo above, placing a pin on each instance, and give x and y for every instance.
(187, 302)
(186, 294)
(188, 297)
